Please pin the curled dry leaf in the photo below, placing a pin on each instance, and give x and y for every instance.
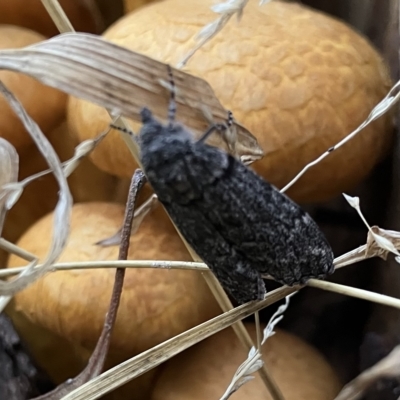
(62, 211)
(123, 81)
(9, 163)
(381, 242)
(389, 367)
(254, 360)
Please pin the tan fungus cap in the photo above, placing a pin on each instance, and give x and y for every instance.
(299, 80)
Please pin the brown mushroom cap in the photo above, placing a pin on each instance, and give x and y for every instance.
(32, 14)
(87, 183)
(130, 5)
(156, 303)
(44, 104)
(205, 370)
(297, 79)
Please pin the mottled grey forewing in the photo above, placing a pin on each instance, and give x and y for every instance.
(232, 269)
(260, 223)
(239, 224)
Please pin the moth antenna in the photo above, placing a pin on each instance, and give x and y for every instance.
(125, 130)
(172, 101)
(121, 129)
(229, 120)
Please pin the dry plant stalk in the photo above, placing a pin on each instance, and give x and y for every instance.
(93, 68)
(62, 211)
(112, 68)
(98, 357)
(246, 145)
(254, 360)
(388, 367)
(381, 108)
(226, 11)
(9, 166)
(52, 55)
(138, 365)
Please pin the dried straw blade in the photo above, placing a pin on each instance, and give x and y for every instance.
(9, 166)
(388, 367)
(355, 292)
(138, 365)
(123, 81)
(62, 211)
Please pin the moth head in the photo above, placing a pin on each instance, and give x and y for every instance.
(154, 133)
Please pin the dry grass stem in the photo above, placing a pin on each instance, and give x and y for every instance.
(138, 365)
(388, 367)
(254, 360)
(92, 75)
(123, 82)
(352, 257)
(226, 10)
(244, 373)
(67, 266)
(63, 208)
(246, 146)
(18, 251)
(92, 68)
(380, 242)
(98, 357)
(381, 108)
(354, 292)
(239, 328)
(9, 167)
(58, 15)
(69, 166)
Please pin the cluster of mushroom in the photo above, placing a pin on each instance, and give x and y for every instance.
(299, 80)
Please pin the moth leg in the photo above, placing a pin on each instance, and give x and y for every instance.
(210, 130)
(229, 135)
(243, 283)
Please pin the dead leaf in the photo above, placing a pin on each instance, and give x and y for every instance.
(123, 81)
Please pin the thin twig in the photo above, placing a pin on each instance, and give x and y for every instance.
(140, 364)
(18, 251)
(344, 260)
(355, 292)
(74, 265)
(58, 16)
(258, 330)
(98, 357)
(238, 327)
(381, 108)
(226, 10)
(63, 208)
